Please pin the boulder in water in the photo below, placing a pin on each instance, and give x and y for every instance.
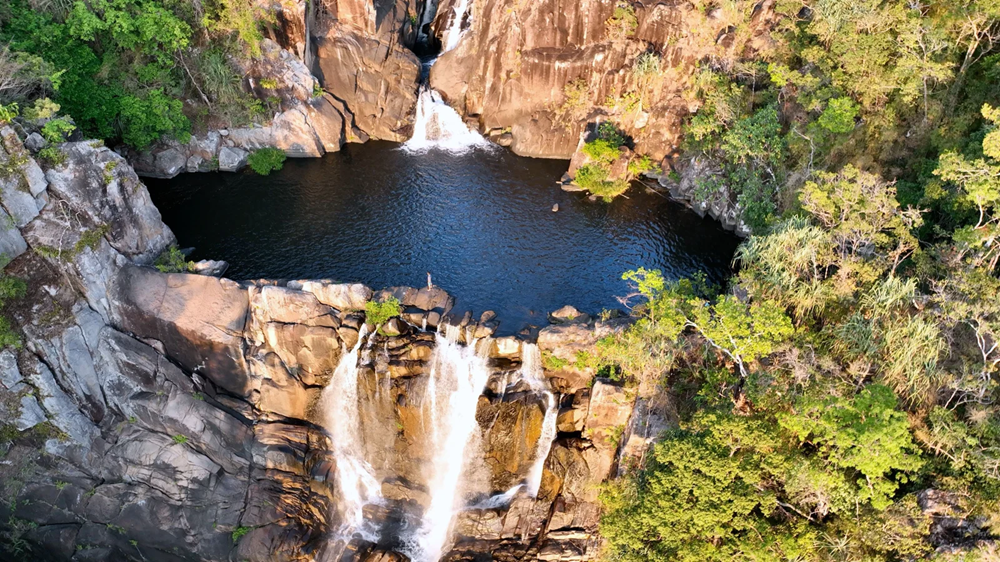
(232, 159)
(567, 314)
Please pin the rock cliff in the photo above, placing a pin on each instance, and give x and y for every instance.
(545, 70)
(157, 416)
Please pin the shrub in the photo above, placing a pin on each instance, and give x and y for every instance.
(57, 130)
(601, 151)
(641, 165)
(610, 132)
(42, 109)
(646, 65)
(266, 160)
(180, 439)
(576, 101)
(378, 313)
(239, 532)
(594, 178)
(52, 156)
(8, 112)
(269, 83)
(622, 22)
(172, 260)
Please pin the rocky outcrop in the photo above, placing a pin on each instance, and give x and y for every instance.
(720, 205)
(156, 416)
(544, 70)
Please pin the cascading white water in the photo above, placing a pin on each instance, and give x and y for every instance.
(439, 126)
(458, 375)
(454, 33)
(355, 477)
(532, 373)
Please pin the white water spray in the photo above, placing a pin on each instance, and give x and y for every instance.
(532, 373)
(355, 477)
(459, 374)
(454, 33)
(438, 126)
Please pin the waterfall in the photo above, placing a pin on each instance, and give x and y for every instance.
(458, 375)
(439, 126)
(355, 477)
(531, 372)
(454, 33)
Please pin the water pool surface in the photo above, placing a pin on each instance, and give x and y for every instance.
(481, 223)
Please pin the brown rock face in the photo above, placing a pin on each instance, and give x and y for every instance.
(516, 65)
(361, 58)
(199, 320)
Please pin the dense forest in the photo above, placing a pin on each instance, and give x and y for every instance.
(848, 376)
(839, 399)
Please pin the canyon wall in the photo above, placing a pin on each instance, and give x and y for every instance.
(170, 416)
(547, 69)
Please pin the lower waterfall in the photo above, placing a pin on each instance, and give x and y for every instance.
(439, 126)
(458, 375)
(356, 481)
(532, 373)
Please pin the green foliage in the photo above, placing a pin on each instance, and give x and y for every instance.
(594, 178)
(115, 61)
(43, 108)
(601, 151)
(838, 117)
(268, 83)
(866, 435)
(57, 130)
(642, 164)
(180, 439)
(622, 23)
(240, 532)
(172, 260)
(8, 112)
(241, 18)
(378, 313)
(11, 288)
(266, 160)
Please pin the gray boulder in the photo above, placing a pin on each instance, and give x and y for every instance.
(232, 159)
(170, 162)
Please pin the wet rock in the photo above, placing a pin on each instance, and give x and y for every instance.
(232, 159)
(572, 417)
(506, 347)
(567, 314)
(339, 296)
(169, 163)
(213, 268)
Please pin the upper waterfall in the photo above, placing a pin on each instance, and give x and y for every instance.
(454, 33)
(439, 126)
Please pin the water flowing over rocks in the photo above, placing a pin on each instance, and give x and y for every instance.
(189, 417)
